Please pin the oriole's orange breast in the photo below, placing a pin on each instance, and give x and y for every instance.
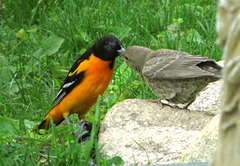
(95, 82)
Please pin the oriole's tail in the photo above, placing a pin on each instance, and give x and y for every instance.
(56, 115)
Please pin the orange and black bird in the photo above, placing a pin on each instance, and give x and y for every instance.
(87, 79)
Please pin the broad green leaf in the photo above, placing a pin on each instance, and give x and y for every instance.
(35, 60)
(38, 54)
(49, 47)
(115, 161)
(52, 45)
(194, 36)
(84, 35)
(8, 127)
(21, 34)
(5, 74)
(5, 70)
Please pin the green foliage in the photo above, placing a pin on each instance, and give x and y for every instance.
(40, 40)
(58, 146)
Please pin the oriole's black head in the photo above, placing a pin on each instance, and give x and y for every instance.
(108, 48)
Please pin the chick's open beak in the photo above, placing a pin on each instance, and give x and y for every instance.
(124, 59)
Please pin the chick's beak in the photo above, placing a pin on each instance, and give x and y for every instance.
(124, 59)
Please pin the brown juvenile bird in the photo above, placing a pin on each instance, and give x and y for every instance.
(172, 75)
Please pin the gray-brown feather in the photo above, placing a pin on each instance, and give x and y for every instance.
(173, 75)
(170, 64)
(178, 91)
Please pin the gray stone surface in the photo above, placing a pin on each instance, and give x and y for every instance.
(139, 130)
(209, 100)
(203, 147)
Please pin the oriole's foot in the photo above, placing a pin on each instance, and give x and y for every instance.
(84, 133)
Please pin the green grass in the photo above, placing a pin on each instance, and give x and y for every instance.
(40, 40)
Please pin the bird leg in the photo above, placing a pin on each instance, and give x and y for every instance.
(81, 124)
(186, 106)
(67, 120)
(84, 126)
(158, 101)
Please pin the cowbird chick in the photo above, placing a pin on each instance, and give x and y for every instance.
(172, 75)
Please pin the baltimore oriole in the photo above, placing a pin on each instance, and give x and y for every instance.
(87, 79)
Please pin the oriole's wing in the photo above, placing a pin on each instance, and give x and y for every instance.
(74, 76)
(171, 64)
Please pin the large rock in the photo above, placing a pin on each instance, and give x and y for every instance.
(140, 131)
(209, 100)
(203, 147)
